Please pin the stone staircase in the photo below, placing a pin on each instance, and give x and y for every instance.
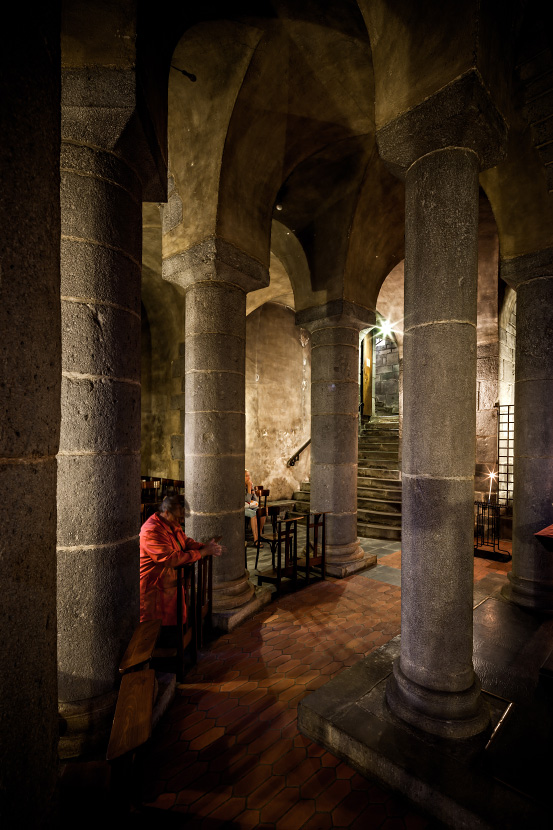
(378, 481)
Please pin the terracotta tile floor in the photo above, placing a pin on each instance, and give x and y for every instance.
(228, 752)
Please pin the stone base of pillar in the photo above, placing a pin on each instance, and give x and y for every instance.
(231, 594)
(349, 716)
(345, 560)
(86, 725)
(228, 620)
(447, 714)
(537, 596)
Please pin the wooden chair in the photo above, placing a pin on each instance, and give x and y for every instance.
(172, 487)
(147, 510)
(315, 546)
(261, 514)
(273, 514)
(286, 554)
(150, 490)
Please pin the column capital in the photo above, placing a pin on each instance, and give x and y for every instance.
(527, 267)
(336, 313)
(461, 114)
(105, 108)
(215, 260)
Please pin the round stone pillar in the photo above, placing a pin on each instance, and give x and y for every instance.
(99, 457)
(531, 578)
(433, 685)
(216, 278)
(334, 438)
(215, 431)
(30, 369)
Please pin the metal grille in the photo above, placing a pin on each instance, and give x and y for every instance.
(505, 454)
(486, 532)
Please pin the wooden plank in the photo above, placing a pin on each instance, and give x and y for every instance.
(547, 532)
(141, 646)
(132, 722)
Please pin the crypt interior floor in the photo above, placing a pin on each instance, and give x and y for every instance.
(228, 753)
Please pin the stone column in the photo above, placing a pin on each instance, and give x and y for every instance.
(99, 457)
(433, 685)
(30, 368)
(217, 277)
(440, 146)
(334, 428)
(531, 578)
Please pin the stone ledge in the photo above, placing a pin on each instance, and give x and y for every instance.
(229, 620)
(451, 780)
(341, 570)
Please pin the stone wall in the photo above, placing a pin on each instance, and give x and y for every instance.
(162, 440)
(386, 376)
(278, 398)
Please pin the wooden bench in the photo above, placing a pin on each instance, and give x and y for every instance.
(113, 785)
(142, 645)
(132, 722)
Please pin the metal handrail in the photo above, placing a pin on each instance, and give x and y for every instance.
(291, 461)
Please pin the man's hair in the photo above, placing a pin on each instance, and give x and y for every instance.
(170, 504)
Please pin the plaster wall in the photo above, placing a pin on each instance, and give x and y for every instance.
(162, 441)
(278, 399)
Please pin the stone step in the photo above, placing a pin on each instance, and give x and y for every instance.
(380, 505)
(377, 455)
(377, 464)
(375, 449)
(539, 84)
(377, 472)
(540, 107)
(377, 517)
(370, 531)
(382, 494)
(387, 483)
(535, 65)
(378, 440)
(371, 525)
(379, 493)
(543, 131)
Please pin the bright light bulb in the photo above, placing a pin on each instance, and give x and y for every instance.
(386, 328)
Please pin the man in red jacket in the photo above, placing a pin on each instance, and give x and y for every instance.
(163, 546)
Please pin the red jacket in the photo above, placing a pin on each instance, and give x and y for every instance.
(162, 547)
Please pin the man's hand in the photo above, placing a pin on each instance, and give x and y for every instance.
(212, 548)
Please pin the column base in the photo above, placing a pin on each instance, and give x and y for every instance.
(230, 595)
(460, 783)
(345, 560)
(527, 593)
(86, 725)
(228, 620)
(446, 714)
